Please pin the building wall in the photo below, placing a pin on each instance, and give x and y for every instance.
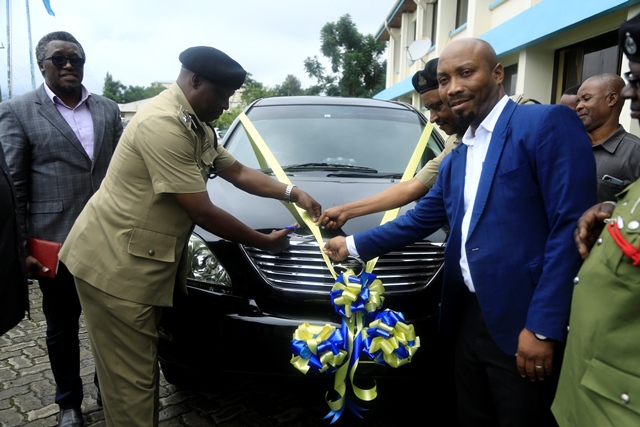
(528, 33)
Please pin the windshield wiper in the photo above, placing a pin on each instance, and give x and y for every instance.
(324, 166)
(330, 166)
(356, 174)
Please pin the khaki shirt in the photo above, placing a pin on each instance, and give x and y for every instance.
(131, 235)
(428, 174)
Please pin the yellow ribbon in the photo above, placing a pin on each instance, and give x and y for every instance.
(400, 335)
(267, 160)
(313, 336)
(355, 324)
(409, 172)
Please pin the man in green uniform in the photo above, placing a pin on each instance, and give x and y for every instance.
(125, 248)
(600, 379)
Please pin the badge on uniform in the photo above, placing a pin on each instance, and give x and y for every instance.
(630, 44)
(184, 117)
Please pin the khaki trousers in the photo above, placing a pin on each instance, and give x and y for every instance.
(124, 340)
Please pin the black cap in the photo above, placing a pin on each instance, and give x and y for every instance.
(213, 65)
(426, 79)
(629, 36)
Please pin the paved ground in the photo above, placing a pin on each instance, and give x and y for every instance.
(27, 391)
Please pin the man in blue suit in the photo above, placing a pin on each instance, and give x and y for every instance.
(512, 193)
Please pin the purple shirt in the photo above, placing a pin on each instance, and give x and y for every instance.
(78, 118)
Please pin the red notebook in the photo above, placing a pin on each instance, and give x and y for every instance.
(46, 252)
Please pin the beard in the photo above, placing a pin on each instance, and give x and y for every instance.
(70, 88)
(461, 129)
(465, 120)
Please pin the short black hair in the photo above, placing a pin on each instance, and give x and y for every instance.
(56, 35)
(573, 90)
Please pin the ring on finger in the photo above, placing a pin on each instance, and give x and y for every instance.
(538, 367)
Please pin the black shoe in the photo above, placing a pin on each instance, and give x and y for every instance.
(70, 418)
(99, 398)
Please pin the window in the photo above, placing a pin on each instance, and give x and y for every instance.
(461, 13)
(510, 79)
(434, 21)
(576, 63)
(358, 132)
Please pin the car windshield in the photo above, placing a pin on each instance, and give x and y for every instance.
(359, 140)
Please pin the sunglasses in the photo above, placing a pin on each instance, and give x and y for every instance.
(633, 80)
(61, 61)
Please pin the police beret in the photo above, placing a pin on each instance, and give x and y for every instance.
(426, 79)
(629, 36)
(213, 65)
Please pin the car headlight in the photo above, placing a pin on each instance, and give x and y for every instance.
(203, 264)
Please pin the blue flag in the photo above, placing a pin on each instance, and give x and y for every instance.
(47, 6)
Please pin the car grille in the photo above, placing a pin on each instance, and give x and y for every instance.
(301, 267)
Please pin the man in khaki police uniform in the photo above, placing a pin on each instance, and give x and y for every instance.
(600, 378)
(125, 248)
(426, 84)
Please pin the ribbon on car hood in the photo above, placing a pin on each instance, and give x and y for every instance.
(409, 172)
(386, 340)
(266, 159)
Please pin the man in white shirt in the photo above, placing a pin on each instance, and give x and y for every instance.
(512, 193)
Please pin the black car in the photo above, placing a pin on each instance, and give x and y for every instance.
(243, 303)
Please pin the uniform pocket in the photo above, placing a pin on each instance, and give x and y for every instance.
(152, 245)
(614, 385)
(45, 207)
(207, 158)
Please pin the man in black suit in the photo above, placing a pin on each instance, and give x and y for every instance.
(58, 142)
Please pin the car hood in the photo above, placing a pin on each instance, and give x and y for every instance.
(267, 214)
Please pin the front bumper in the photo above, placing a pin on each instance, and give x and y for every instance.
(206, 333)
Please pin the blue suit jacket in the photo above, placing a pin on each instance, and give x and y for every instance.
(536, 181)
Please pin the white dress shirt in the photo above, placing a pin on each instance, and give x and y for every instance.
(477, 146)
